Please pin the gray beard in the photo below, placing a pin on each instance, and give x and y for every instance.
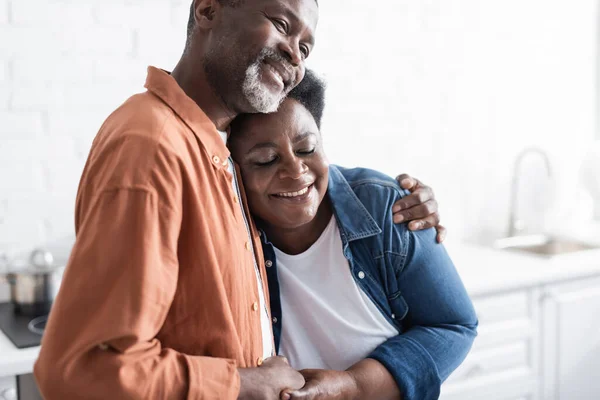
(255, 92)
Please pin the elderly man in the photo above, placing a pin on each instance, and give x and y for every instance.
(165, 293)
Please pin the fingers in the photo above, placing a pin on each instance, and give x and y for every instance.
(308, 392)
(441, 233)
(275, 361)
(407, 182)
(285, 394)
(425, 223)
(417, 212)
(419, 196)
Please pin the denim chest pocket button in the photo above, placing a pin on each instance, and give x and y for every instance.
(398, 306)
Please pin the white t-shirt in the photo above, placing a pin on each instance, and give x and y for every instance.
(265, 322)
(328, 321)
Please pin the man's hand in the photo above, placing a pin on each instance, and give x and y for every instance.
(324, 385)
(268, 381)
(419, 207)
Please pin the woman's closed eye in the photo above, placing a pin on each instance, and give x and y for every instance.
(306, 152)
(265, 163)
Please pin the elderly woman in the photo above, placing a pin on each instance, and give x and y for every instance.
(366, 308)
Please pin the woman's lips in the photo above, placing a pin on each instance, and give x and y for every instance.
(297, 196)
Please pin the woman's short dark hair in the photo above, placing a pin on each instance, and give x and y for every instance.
(310, 92)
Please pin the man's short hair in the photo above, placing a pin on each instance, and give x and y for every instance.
(310, 92)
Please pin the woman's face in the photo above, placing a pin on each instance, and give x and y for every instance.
(283, 166)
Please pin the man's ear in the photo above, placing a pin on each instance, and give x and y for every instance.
(205, 12)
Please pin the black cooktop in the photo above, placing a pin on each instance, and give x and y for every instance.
(23, 331)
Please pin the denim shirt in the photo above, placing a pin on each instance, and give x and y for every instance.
(409, 277)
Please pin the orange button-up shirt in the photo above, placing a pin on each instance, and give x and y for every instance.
(157, 301)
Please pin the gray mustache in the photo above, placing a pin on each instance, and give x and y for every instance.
(268, 53)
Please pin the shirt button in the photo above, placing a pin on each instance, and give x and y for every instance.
(361, 275)
(268, 263)
(216, 159)
(248, 246)
(274, 320)
(259, 361)
(255, 306)
(393, 316)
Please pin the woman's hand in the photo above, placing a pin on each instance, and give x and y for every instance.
(324, 384)
(419, 207)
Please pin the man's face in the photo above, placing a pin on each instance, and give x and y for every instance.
(257, 50)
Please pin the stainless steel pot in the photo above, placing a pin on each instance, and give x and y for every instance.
(34, 286)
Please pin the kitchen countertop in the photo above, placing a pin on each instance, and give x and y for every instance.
(483, 270)
(14, 361)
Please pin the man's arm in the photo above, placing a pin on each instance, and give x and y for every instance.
(100, 341)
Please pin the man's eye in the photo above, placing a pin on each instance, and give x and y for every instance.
(281, 25)
(305, 51)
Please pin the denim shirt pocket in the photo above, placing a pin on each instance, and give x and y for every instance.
(398, 305)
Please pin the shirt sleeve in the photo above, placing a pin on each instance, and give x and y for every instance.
(440, 325)
(100, 341)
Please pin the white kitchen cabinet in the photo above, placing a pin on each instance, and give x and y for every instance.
(504, 361)
(571, 341)
(541, 343)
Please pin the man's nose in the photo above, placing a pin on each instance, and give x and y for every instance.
(291, 51)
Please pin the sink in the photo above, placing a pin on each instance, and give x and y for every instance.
(543, 245)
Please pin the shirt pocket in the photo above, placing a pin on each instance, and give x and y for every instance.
(398, 306)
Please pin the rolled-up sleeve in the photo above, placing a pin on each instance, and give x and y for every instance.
(100, 341)
(440, 325)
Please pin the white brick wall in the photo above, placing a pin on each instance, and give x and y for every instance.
(64, 66)
(449, 91)
(4, 11)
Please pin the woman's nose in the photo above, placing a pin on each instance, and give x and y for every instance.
(293, 168)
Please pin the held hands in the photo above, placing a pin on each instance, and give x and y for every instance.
(325, 385)
(268, 381)
(419, 207)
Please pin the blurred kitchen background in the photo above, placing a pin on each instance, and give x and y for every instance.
(451, 92)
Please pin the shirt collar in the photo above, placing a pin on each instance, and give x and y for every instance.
(164, 86)
(354, 221)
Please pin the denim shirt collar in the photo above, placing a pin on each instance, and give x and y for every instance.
(353, 219)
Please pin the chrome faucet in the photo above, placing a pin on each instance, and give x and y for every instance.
(516, 226)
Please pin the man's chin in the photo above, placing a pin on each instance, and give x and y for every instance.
(264, 106)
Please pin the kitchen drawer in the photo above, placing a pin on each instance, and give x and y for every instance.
(502, 307)
(488, 362)
(8, 388)
(499, 334)
(519, 383)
